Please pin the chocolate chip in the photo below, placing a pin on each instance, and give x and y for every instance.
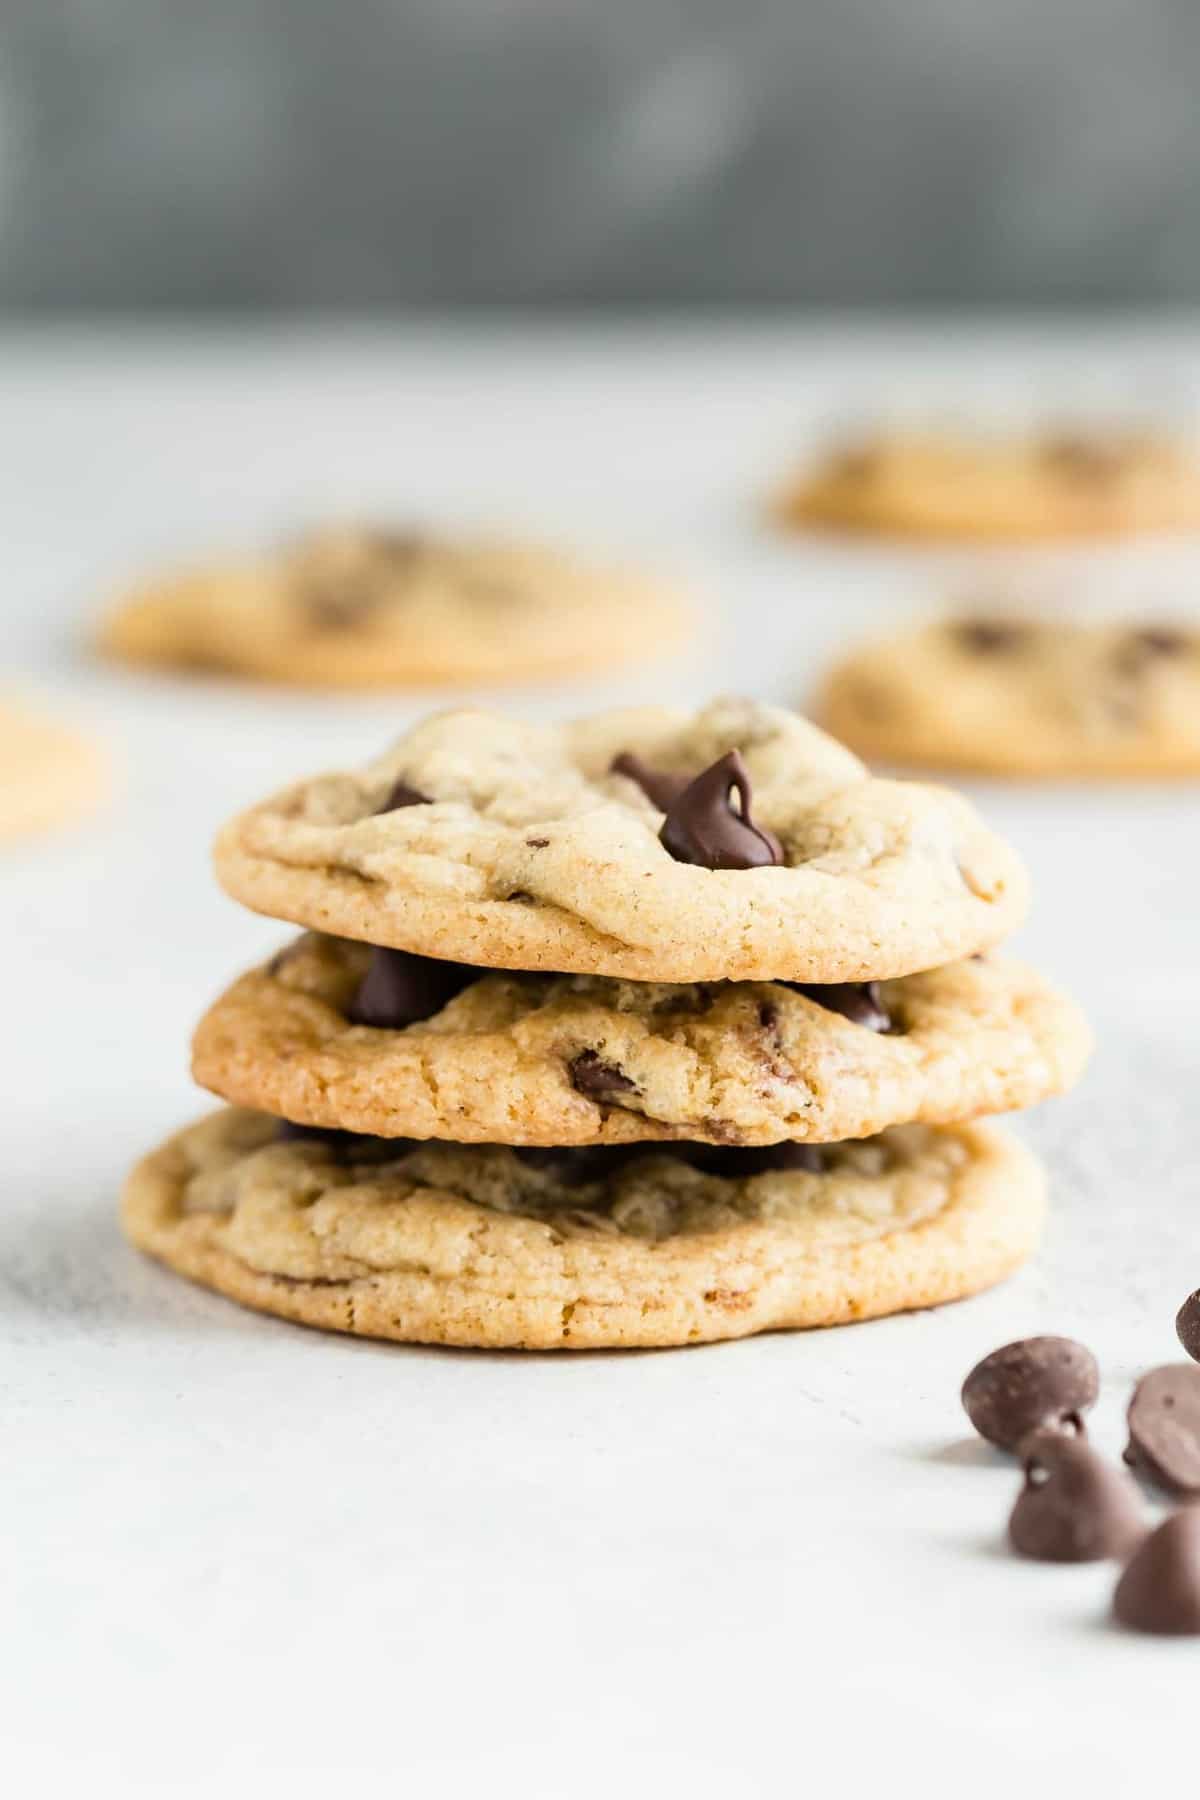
(702, 826)
(1032, 1385)
(1160, 640)
(660, 788)
(1074, 1506)
(399, 989)
(596, 1079)
(987, 637)
(740, 1162)
(400, 794)
(1187, 1325)
(1164, 1428)
(537, 843)
(1076, 457)
(857, 1001)
(1160, 1589)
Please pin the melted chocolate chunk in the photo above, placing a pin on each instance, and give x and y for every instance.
(1164, 1428)
(989, 637)
(1074, 1506)
(400, 795)
(857, 1001)
(399, 989)
(702, 826)
(1160, 1589)
(596, 1079)
(660, 788)
(1037, 1384)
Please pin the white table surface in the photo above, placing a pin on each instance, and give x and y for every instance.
(235, 1552)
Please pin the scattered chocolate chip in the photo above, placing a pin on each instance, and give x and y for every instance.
(1036, 1384)
(537, 843)
(1074, 1506)
(986, 637)
(857, 1001)
(1164, 1428)
(702, 826)
(1187, 1325)
(596, 1079)
(1159, 1591)
(399, 989)
(660, 788)
(400, 794)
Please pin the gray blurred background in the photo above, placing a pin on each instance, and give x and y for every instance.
(375, 154)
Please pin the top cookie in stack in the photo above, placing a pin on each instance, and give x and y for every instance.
(646, 1029)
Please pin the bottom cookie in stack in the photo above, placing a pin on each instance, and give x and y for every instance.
(636, 1246)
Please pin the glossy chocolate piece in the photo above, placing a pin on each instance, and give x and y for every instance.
(1034, 1384)
(704, 827)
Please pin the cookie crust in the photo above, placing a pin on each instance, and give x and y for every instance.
(726, 1063)
(464, 1245)
(532, 855)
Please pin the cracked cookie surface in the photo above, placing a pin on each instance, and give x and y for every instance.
(524, 850)
(355, 607)
(548, 1059)
(1059, 484)
(1012, 695)
(469, 1245)
(49, 774)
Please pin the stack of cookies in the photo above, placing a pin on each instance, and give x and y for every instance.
(649, 1029)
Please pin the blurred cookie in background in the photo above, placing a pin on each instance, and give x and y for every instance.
(1004, 694)
(358, 607)
(49, 774)
(955, 484)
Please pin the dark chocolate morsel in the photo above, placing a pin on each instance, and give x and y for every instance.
(857, 1001)
(1164, 1428)
(986, 637)
(660, 788)
(401, 795)
(702, 826)
(1036, 1384)
(1187, 1325)
(1077, 457)
(1159, 1591)
(1074, 1506)
(597, 1079)
(399, 989)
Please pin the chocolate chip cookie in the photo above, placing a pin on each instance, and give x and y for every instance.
(737, 843)
(333, 1033)
(49, 774)
(1097, 482)
(362, 608)
(496, 1247)
(1008, 695)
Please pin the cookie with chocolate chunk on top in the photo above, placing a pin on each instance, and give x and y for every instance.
(776, 856)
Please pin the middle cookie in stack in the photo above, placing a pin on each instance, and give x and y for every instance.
(622, 1040)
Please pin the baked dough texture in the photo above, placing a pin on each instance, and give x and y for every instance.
(467, 1245)
(532, 855)
(359, 608)
(549, 1059)
(958, 485)
(1019, 696)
